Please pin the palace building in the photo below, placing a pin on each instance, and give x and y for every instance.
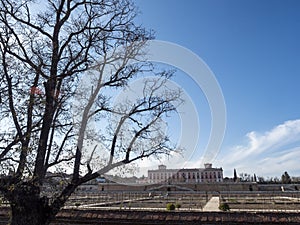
(208, 174)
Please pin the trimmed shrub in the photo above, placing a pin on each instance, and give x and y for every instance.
(170, 206)
(177, 205)
(224, 207)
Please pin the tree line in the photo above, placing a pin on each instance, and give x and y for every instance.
(246, 177)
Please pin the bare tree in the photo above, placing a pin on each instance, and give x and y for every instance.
(43, 56)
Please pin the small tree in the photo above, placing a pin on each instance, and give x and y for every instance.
(171, 207)
(235, 176)
(254, 178)
(285, 178)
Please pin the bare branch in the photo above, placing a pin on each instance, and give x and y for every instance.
(43, 57)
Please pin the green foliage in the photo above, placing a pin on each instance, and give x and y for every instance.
(170, 206)
(224, 207)
(233, 200)
(177, 205)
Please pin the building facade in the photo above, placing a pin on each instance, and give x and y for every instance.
(208, 174)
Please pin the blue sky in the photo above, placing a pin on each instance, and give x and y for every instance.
(253, 48)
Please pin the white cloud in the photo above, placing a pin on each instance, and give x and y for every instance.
(268, 154)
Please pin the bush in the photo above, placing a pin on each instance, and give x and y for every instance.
(170, 206)
(224, 207)
(177, 205)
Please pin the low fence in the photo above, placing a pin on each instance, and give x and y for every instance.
(193, 201)
(140, 200)
(262, 201)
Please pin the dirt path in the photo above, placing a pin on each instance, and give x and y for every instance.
(212, 205)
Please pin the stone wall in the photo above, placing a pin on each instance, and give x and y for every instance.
(175, 218)
(119, 217)
(210, 187)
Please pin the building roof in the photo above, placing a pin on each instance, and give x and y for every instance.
(185, 169)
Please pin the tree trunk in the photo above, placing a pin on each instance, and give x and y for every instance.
(27, 208)
(31, 213)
